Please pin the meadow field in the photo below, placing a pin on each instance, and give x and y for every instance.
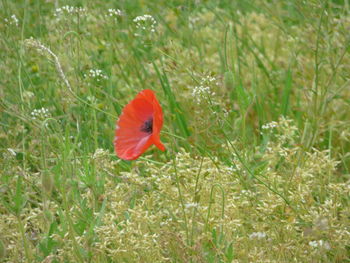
(256, 103)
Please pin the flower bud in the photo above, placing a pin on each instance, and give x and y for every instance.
(47, 182)
(229, 80)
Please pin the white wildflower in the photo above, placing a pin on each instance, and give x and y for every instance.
(95, 74)
(257, 235)
(203, 91)
(100, 154)
(114, 12)
(69, 10)
(247, 193)
(191, 205)
(12, 20)
(91, 99)
(28, 94)
(193, 21)
(225, 112)
(145, 23)
(200, 92)
(231, 169)
(269, 126)
(209, 79)
(40, 113)
(320, 244)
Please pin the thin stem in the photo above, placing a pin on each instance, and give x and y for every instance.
(71, 228)
(180, 196)
(27, 250)
(194, 200)
(71, 231)
(210, 202)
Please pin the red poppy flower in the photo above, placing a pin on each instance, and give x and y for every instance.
(139, 126)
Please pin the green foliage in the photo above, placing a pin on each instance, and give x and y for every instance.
(256, 125)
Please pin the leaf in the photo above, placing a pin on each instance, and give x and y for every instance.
(229, 253)
(286, 93)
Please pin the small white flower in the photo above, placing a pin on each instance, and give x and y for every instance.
(320, 244)
(191, 205)
(114, 12)
(91, 99)
(231, 169)
(28, 94)
(145, 23)
(257, 235)
(40, 113)
(12, 20)
(96, 74)
(203, 91)
(269, 126)
(192, 21)
(100, 153)
(69, 10)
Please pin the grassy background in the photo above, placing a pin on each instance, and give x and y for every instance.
(255, 97)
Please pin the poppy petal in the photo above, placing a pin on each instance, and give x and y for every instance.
(139, 126)
(158, 143)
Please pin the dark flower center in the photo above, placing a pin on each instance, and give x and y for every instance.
(147, 126)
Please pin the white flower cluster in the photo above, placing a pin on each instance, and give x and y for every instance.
(191, 205)
(192, 21)
(40, 113)
(320, 244)
(67, 9)
(28, 94)
(95, 74)
(257, 235)
(269, 126)
(209, 79)
(114, 12)
(203, 91)
(100, 154)
(145, 23)
(91, 99)
(231, 169)
(11, 21)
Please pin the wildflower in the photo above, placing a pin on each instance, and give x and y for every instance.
(28, 95)
(203, 91)
(145, 23)
(40, 113)
(92, 99)
(191, 205)
(100, 154)
(269, 126)
(114, 12)
(96, 74)
(139, 126)
(11, 21)
(193, 21)
(231, 169)
(320, 244)
(257, 235)
(69, 10)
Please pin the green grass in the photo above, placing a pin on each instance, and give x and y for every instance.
(256, 105)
